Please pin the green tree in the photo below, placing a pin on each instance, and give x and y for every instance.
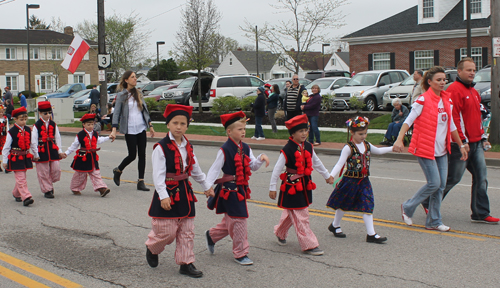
(37, 23)
(168, 70)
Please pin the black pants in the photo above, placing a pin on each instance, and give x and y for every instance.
(291, 114)
(136, 145)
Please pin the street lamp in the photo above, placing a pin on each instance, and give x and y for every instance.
(158, 58)
(323, 52)
(29, 6)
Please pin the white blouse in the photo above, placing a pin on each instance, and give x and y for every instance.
(136, 123)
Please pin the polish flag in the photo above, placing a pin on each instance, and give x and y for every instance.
(75, 54)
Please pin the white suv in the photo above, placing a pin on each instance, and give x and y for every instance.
(221, 86)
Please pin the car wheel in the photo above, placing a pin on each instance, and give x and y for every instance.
(371, 103)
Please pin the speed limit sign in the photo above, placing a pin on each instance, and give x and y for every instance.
(103, 60)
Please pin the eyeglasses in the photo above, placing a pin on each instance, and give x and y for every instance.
(45, 113)
(295, 79)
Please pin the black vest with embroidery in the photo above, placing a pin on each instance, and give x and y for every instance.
(181, 194)
(357, 162)
(85, 161)
(46, 150)
(19, 162)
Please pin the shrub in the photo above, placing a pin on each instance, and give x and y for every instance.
(15, 99)
(327, 102)
(356, 103)
(245, 103)
(27, 94)
(90, 86)
(163, 104)
(151, 104)
(224, 105)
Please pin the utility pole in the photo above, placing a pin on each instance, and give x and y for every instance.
(257, 49)
(495, 74)
(469, 37)
(101, 36)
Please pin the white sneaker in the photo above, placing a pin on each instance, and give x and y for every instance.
(442, 228)
(253, 137)
(406, 219)
(261, 138)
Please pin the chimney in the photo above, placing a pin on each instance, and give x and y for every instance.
(239, 49)
(292, 49)
(68, 30)
(339, 50)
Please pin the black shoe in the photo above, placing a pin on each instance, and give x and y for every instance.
(152, 258)
(334, 229)
(141, 186)
(28, 201)
(103, 191)
(385, 142)
(49, 194)
(1, 170)
(6, 171)
(116, 176)
(190, 270)
(372, 239)
(18, 199)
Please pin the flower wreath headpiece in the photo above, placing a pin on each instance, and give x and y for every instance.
(357, 122)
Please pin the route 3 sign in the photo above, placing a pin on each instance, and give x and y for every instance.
(103, 60)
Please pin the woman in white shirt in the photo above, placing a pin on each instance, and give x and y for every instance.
(133, 118)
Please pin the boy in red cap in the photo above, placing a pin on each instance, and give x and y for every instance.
(235, 159)
(86, 159)
(267, 88)
(4, 126)
(16, 155)
(296, 189)
(46, 137)
(172, 209)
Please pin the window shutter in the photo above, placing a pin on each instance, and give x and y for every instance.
(436, 57)
(457, 56)
(412, 62)
(485, 56)
(370, 62)
(393, 60)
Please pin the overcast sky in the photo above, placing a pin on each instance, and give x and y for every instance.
(163, 17)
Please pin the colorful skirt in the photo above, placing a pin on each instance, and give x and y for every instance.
(2, 142)
(352, 194)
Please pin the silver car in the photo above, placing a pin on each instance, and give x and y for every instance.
(403, 91)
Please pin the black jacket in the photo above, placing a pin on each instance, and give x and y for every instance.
(299, 98)
(259, 105)
(95, 97)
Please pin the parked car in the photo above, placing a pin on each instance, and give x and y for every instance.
(112, 91)
(82, 100)
(451, 76)
(65, 91)
(281, 83)
(370, 87)
(313, 75)
(327, 86)
(150, 86)
(159, 91)
(402, 91)
(180, 94)
(483, 85)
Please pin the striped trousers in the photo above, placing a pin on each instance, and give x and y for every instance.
(48, 173)
(79, 180)
(21, 188)
(299, 218)
(236, 228)
(165, 231)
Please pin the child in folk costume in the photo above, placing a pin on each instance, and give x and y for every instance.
(16, 155)
(354, 191)
(86, 159)
(46, 137)
(172, 208)
(236, 161)
(4, 127)
(295, 196)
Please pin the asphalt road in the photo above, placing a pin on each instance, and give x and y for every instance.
(99, 242)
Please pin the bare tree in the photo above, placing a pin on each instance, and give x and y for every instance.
(196, 39)
(310, 23)
(56, 24)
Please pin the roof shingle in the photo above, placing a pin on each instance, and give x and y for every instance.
(18, 36)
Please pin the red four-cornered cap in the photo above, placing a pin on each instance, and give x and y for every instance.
(87, 117)
(178, 108)
(228, 119)
(19, 111)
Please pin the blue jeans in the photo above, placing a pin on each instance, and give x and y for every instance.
(435, 172)
(314, 129)
(258, 127)
(393, 130)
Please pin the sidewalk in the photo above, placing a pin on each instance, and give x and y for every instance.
(492, 158)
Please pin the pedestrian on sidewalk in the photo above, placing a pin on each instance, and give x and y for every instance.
(293, 98)
(398, 117)
(272, 106)
(354, 192)
(132, 116)
(431, 114)
(22, 100)
(259, 108)
(296, 188)
(311, 109)
(236, 160)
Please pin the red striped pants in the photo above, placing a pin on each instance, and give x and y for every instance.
(79, 180)
(21, 188)
(236, 228)
(48, 173)
(165, 231)
(299, 218)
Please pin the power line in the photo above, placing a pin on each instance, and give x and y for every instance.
(2, 2)
(158, 14)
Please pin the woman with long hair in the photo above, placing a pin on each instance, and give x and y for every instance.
(133, 118)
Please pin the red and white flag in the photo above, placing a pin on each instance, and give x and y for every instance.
(75, 54)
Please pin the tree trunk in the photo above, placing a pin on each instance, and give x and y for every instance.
(200, 108)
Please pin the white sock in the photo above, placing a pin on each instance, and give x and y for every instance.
(368, 218)
(336, 221)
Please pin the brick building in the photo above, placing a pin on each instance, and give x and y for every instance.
(47, 51)
(431, 33)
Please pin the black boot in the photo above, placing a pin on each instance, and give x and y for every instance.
(116, 176)
(190, 270)
(152, 258)
(141, 186)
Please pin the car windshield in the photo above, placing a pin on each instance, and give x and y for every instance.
(322, 83)
(408, 82)
(280, 83)
(159, 90)
(63, 88)
(483, 76)
(140, 85)
(80, 93)
(187, 83)
(367, 79)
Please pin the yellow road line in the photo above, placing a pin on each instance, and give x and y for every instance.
(23, 280)
(37, 271)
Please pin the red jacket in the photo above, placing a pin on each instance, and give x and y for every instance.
(466, 110)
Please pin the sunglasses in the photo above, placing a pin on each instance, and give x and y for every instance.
(295, 79)
(45, 113)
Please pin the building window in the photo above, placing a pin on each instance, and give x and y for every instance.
(230, 61)
(475, 6)
(11, 82)
(428, 8)
(281, 62)
(333, 62)
(381, 61)
(46, 82)
(34, 54)
(424, 59)
(56, 54)
(10, 53)
(78, 78)
(476, 54)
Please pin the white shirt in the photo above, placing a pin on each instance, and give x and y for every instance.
(160, 169)
(442, 127)
(34, 138)
(346, 153)
(136, 123)
(280, 164)
(216, 168)
(74, 146)
(8, 144)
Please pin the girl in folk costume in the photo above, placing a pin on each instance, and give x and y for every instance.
(16, 155)
(46, 137)
(172, 208)
(86, 159)
(236, 161)
(354, 191)
(296, 186)
(4, 127)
